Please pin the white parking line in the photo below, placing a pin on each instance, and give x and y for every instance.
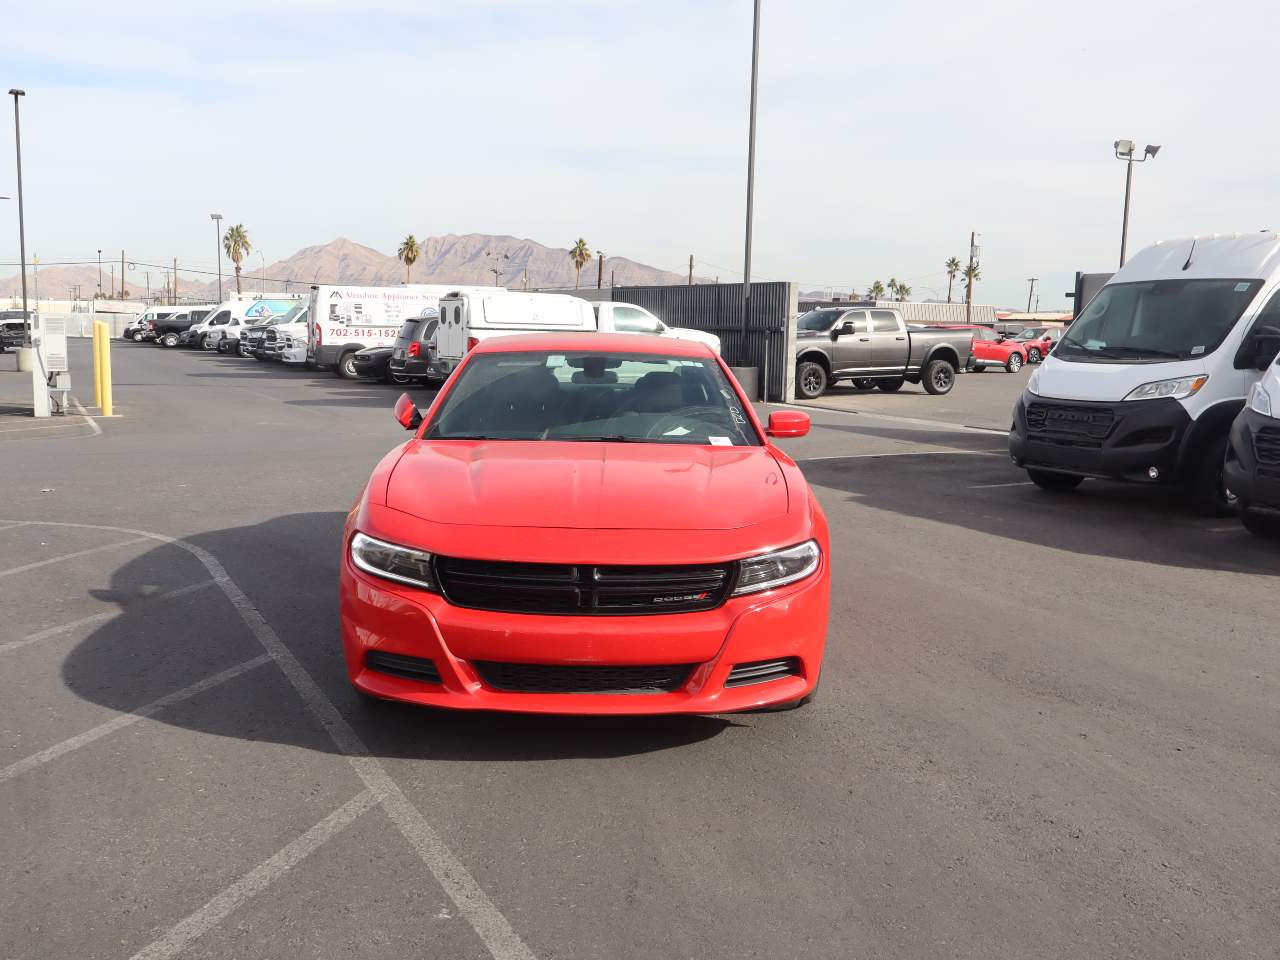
(69, 556)
(126, 719)
(993, 486)
(920, 421)
(493, 929)
(48, 632)
(255, 881)
(936, 451)
(15, 523)
(97, 430)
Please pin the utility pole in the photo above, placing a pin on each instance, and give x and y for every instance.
(22, 226)
(122, 290)
(751, 167)
(968, 284)
(1032, 281)
(691, 269)
(147, 274)
(600, 272)
(612, 275)
(174, 289)
(99, 274)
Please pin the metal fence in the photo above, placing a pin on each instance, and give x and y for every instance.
(769, 342)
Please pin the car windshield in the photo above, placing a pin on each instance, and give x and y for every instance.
(602, 397)
(1031, 333)
(818, 320)
(1154, 320)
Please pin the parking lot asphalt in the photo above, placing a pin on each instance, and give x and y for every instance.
(1046, 726)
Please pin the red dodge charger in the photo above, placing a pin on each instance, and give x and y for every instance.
(588, 524)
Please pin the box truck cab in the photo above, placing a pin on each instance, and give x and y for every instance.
(1252, 467)
(345, 320)
(1145, 383)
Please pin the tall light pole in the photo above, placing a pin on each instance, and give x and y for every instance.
(1124, 151)
(22, 227)
(751, 170)
(217, 242)
(99, 274)
(262, 279)
(1032, 281)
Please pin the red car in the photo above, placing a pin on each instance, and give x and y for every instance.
(1038, 341)
(990, 349)
(587, 524)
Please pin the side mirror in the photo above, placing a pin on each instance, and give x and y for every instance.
(843, 330)
(787, 423)
(1265, 343)
(407, 414)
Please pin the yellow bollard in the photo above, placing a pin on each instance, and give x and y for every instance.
(97, 363)
(106, 372)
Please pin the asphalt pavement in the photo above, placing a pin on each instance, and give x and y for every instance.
(1046, 726)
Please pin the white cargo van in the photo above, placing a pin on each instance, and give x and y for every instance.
(220, 330)
(345, 320)
(1145, 383)
(628, 318)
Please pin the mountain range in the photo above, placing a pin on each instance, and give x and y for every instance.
(466, 259)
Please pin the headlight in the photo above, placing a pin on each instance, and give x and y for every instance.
(1033, 385)
(392, 562)
(775, 569)
(1259, 399)
(1178, 389)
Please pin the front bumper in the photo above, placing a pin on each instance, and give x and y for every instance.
(1115, 441)
(380, 615)
(1252, 467)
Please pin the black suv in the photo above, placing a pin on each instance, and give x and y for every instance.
(409, 354)
(13, 333)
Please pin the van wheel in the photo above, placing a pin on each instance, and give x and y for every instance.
(939, 377)
(204, 338)
(891, 386)
(1207, 487)
(1057, 482)
(1014, 363)
(346, 366)
(169, 339)
(1265, 525)
(811, 380)
(864, 383)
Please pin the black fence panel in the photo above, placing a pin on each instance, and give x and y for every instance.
(767, 343)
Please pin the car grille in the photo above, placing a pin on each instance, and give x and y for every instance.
(555, 678)
(1089, 423)
(762, 671)
(577, 589)
(1266, 444)
(400, 665)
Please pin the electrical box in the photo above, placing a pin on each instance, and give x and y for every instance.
(50, 336)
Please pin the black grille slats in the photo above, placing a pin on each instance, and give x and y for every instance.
(400, 665)
(1094, 423)
(1266, 445)
(558, 678)
(582, 589)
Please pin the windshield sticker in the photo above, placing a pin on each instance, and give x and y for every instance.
(1196, 351)
(1241, 287)
(738, 418)
(720, 441)
(677, 432)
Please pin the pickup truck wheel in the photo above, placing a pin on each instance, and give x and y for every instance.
(939, 377)
(811, 380)
(1207, 488)
(346, 366)
(891, 386)
(1033, 355)
(1265, 525)
(1014, 363)
(169, 339)
(1057, 482)
(864, 383)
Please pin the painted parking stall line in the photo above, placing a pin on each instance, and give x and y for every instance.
(70, 556)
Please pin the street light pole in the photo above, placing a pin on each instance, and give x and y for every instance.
(99, 274)
(262, 280)
(1032, 281)
(22, 227)
(1124, 151)
(217, 243)
(751, 168)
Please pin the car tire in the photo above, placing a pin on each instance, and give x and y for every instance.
(128, 335)
(1206, 488)
(939, 377)
(864, 383)
(977, 368)
(204, 338)
(1055, 482)
(346, 366)
(259, 357)
(1265, 525)
(1014, 363)
(169, 340)
(811, 380)
(1033, 355)
(891, 386)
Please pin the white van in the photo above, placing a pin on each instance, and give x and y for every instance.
(1145, 383)
(345, 320)
(1252, 467)
(628, 318)
(220, 330)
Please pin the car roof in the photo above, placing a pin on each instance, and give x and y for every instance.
(595, 343)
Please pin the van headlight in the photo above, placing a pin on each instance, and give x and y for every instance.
(777, 568)
(1178, 388)
(1259, 399)
(1033, 384)
(393, 562)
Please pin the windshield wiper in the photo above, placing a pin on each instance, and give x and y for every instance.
(1150, 352)
(603, 438)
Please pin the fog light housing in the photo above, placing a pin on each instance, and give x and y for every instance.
(1153, 473)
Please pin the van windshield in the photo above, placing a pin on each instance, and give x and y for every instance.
(1154, 321)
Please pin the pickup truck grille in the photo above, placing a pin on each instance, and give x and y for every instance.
(1266, 444)
(584, 590)
(1076, 422)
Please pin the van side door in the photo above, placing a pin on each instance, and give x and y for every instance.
(890, 348)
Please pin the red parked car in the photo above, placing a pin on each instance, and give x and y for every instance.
(990, 349)
(1038, 341)
(588, 524)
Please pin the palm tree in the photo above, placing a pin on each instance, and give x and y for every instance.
(971, 275)
(953, 270)
(876, 291)
(893, 288)
(236, 245)
(904, 291)
(579, 253)
(408, 255)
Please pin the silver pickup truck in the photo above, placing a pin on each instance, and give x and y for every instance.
(875, 348)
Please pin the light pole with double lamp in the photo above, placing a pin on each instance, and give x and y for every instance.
(1124, 151)
(217, 242)
(22, 228)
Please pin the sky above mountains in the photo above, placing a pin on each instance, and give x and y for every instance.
(886, 132)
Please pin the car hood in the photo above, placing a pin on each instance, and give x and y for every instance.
(1070, 380)
(587, 485)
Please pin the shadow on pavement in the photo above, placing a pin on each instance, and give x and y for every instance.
(289, 569)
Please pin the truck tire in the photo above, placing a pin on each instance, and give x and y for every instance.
(939, 377)
(204, 338)
(1056, 482)
(1266, 525)
(1014, 363)
(864, 383)
(169, 339)
(891, 386)
(811, 380)
(346, 366)
(1206, 489)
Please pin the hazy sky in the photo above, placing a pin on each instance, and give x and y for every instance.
(886, 131)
